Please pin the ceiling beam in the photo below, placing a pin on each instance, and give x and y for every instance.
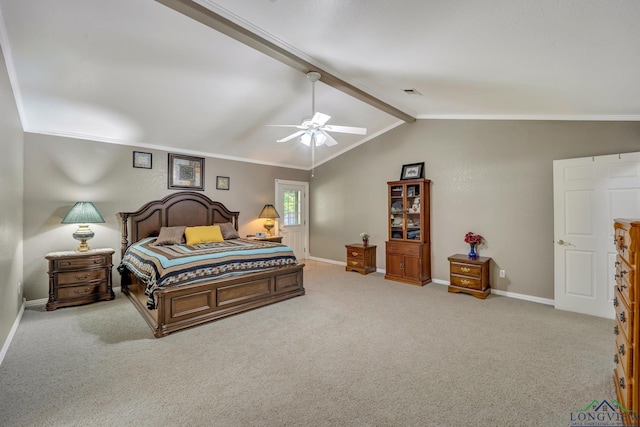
(242, 32)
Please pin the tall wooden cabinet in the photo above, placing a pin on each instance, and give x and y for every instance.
(627, 333)
(408, 250)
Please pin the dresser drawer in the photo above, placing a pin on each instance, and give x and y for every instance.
(83, 276)
(623, 315)
(623, 244)
(87, 261)
(408, 249)
(71, 292)
(466, 269)
(625, 278)
(357, 263)
(355, 253)
(624, 355)
(624, 387)
(467, 282)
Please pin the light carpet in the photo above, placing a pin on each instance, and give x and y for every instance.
(354, 351)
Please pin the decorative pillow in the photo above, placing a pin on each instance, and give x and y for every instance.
(228, 231)
(203, 234)
(170, 236)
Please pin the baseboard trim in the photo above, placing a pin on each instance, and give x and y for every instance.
(12, 332)
(36, 302)
(507, 294)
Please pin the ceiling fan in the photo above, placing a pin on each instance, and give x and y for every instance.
(316, 129)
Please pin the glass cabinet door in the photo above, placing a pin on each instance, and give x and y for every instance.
(405, 210)
(397, 208)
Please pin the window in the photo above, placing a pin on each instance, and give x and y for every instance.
(291, 206)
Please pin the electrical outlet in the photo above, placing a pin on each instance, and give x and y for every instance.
(503, 274)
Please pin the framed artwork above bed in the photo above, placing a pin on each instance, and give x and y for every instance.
(185, 172)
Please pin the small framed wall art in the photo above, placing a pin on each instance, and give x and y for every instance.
(142, 160)
(412, 171)
(186, 172)
(222, 183)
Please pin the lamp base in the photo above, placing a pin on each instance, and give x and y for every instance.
(268, 227)
(82, 234)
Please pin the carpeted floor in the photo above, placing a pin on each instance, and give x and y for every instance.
(354, 351)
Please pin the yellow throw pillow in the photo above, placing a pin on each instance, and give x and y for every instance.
(203, 234)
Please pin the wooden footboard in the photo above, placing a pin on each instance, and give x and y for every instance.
(186, 306)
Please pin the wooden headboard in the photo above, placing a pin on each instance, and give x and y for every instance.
(186, 208)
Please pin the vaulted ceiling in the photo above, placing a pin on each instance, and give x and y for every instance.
(207, 77)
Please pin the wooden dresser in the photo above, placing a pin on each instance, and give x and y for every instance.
(361, 258)
(79, 277)
(470, 276)
(408, 250)
(625, 301)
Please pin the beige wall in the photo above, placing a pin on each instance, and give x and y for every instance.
(11, 146)
(60, 171)
(494, 178)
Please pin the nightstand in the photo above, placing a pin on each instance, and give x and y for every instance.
(79, 277)
(361, 258)
(470, 276)
(277, 239)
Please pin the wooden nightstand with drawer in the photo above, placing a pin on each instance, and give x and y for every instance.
(361, 258)
(470, 276)
(79, 277)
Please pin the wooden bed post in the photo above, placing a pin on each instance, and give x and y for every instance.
(124, 242)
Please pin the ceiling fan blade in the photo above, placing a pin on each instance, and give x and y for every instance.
(329, 141)
(293, 135)
(287, 126)
(320, 118)
(345, 129)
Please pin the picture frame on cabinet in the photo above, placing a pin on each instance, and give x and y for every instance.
(142, 160)
(412, 171)
(186, 172)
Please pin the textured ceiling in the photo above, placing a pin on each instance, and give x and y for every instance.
(137, 72)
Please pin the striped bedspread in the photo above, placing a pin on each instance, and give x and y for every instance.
(176, 265)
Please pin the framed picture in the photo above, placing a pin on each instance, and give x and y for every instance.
(186, 172)
(141, 160)
(222, 183)
(412, 171)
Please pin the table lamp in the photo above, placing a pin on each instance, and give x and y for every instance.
(269, 212)
(83, 214)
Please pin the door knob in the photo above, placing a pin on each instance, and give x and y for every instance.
(560, 242)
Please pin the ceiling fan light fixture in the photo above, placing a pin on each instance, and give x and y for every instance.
(319, 138)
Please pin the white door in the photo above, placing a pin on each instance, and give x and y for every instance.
(293, 205)
(589, 193)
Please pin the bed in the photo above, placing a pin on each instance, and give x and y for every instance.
(172, 308)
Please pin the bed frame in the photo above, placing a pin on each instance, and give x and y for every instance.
(190, 305)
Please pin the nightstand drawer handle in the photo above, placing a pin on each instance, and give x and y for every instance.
(465, 269)
(354, 253)
(96, 261)
(82, 291)
(86, 276)
(466, 282)
(354, 262)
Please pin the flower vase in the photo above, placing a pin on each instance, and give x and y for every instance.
(365, 242)
(472, 253)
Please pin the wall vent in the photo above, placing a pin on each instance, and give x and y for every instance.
(412, 92)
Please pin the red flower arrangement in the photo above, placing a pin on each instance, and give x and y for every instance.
(473, 239)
